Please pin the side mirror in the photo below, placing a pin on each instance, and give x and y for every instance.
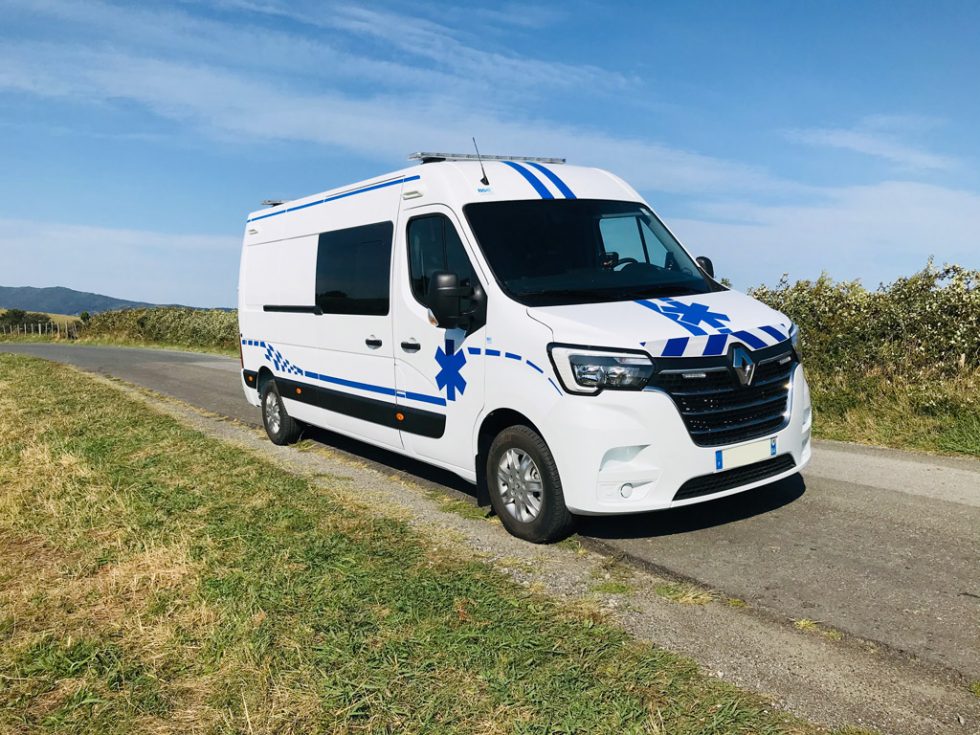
(706, 265)
(445, 296)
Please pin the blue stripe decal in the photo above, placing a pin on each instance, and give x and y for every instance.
(473, 350)
(716, 344)
(697, 331)
(356, 384)
(531, 364)
(338, 196)
(774, 332)
(531, 179)
(492, 353)
(554, 386)
(750, 339)
(553, 178)
(675, 347)
(435, 400)
(512, 356)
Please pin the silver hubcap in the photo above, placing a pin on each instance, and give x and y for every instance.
(273, 418)
(520, 486)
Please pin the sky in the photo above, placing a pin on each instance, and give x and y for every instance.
(776, 138)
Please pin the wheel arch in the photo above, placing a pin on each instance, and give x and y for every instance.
(491, 425)
(265, 375)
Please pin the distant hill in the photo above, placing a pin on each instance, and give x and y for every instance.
(60, 300)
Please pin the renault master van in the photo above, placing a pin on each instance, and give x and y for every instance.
(523, 323)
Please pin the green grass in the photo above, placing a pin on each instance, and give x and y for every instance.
(941, 415)
(612, 587)
(153, 579)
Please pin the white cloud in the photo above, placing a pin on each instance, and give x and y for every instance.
(888, 229)
(872, 140)
(192, 269)
(231, 104)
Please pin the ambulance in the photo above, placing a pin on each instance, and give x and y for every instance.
(531, 326)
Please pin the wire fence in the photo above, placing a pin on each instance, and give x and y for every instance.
(40, 329)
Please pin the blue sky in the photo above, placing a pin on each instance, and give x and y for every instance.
(774, 137)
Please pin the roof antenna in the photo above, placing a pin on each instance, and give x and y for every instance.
(485, 181)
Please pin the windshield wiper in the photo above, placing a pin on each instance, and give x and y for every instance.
(653, 292)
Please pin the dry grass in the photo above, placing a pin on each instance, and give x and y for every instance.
(683, 593)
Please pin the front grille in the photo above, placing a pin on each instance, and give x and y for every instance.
(720, 481)
(717, 409)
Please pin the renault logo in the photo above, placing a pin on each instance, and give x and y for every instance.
(743, 365)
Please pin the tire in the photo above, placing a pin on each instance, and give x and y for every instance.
(280, 426)
(524, 487)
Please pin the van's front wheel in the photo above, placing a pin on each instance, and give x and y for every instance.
(279, 425)
(525, 489)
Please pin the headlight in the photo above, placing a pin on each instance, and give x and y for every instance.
(588, 371)
(794, 338)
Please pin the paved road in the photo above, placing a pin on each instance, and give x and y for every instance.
(883, 545)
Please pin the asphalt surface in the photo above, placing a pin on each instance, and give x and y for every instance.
(882, 545)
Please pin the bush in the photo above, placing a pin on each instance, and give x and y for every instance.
(178, 326)
(921, 327)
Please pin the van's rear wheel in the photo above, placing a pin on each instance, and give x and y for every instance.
(279, 425)
(525, 489)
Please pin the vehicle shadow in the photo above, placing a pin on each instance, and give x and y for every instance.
(696, 517)
(386, 460)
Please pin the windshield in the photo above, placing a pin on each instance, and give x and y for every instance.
(573, 251)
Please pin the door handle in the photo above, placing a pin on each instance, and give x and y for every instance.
(410, 345)
(373, 342)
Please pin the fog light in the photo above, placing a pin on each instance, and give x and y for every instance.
(626, 490)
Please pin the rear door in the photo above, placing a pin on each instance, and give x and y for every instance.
(439, 372)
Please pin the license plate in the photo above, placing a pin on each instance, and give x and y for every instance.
(727, 459)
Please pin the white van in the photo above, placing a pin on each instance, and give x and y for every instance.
(523, 323)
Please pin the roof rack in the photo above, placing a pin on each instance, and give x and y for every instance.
(428, 157)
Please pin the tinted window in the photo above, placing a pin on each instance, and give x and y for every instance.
(434, 245)
(580, 251)
(353, 268)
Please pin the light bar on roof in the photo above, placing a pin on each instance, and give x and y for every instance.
(426, 157)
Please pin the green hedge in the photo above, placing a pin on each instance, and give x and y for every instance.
(167, 325)
(926, 325)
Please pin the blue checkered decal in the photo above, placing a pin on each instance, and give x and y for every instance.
(280, 363)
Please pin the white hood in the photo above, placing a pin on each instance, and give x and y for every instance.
(680, 326)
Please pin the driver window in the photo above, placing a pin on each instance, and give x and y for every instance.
(434, 245)
(621, 235)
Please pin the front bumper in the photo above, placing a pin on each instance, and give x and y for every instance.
(638, 439)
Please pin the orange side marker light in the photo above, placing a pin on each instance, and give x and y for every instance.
(399, 416)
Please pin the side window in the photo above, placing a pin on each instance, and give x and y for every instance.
(353, 270)
(621, 235)
(434, 245)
